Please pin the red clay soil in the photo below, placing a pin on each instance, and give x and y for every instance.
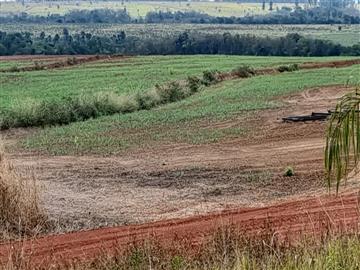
(311, 216)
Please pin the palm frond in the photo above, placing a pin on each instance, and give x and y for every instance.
(342, 151)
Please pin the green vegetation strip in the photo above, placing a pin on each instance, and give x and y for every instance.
(93, 106)
(186, 121)
(228, 251)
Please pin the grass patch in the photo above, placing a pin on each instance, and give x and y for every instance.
(167, 123)
(20, 212)
(226, 249)
(229, 250)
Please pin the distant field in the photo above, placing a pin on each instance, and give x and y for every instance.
(349, 34)
(177, 122)
(137, 9)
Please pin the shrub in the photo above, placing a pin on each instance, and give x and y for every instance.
(38, 66)
(148, 99)
(6, 121)
(127, 104)
(244, 71)
(193, 83)
(20, 212)
(289, 171)
(209, 77)
(14, 69)
(289, 68)
(71, 61)
(171, 92)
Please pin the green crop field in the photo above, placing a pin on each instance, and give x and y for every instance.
(120, 76)
(176, 122)
(347, 36)
(137, 9)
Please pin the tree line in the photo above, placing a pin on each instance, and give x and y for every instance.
(184, 43)
(286, 15)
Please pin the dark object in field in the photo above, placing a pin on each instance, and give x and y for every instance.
(304, 118)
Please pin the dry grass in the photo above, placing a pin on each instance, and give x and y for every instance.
(226, 249)
(20, 212)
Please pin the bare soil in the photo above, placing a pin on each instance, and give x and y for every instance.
(181, 180)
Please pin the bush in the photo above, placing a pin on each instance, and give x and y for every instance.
(244, 72)
(193, 83)
(171, 92)
(289, 68)
(127, 104)
(148, 100)
(71, 61)
(38, 66)
(289, 171)
(14, 69)
(209, 77)
(20, 212)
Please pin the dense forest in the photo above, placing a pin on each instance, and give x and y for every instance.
(316, 15)
(185, 43)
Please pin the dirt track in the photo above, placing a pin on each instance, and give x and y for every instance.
(313, 216)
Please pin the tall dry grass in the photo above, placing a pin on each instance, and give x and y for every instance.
(20, 211)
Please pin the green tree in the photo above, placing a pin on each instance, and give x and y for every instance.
(342, 152)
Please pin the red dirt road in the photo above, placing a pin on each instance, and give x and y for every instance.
(310, 215)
